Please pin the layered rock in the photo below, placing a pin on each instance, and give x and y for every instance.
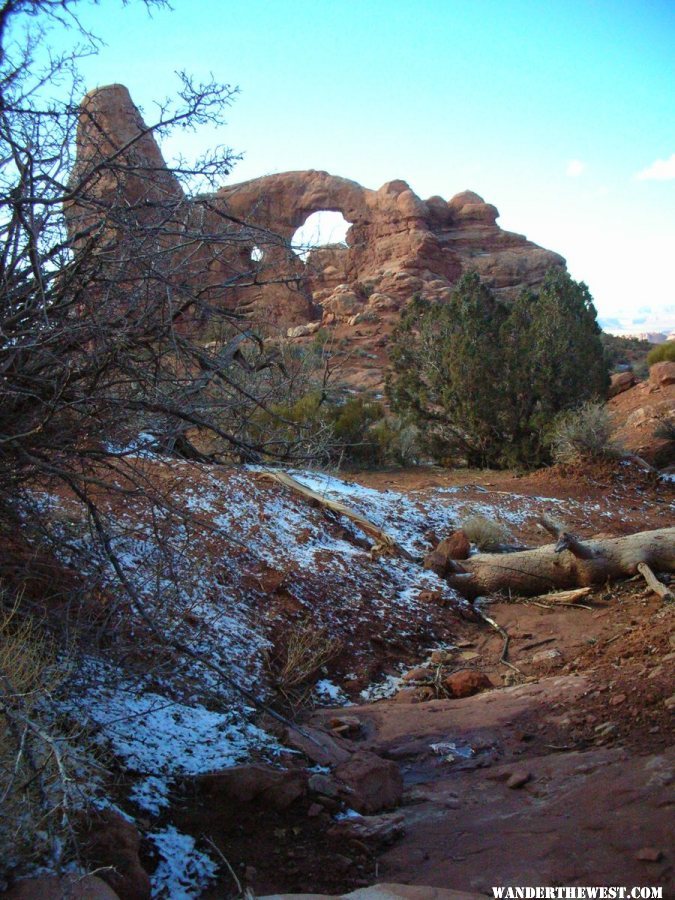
(235, 245)
(397, 244)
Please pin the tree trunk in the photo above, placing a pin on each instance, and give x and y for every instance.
(568, 564)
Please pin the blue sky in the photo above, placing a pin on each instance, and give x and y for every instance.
(560, 112)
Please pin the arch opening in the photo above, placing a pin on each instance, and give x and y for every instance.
(323, 228)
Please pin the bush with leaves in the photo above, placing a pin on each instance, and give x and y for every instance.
(662, 353)
(623, 353)
(442, 356)
(353, 432)
(483, 380)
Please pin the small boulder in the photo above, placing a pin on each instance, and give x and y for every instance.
(321, 748)
(406, 695)
(375, 831)
(621, 382)
(440, 657)
(419, 674)
(319, 783)
(455, 546)
(430, 597)
(649, 854)
(111, 843)
(346, 725)
(466, 682)
(436, 562)
(275, 788)
(303, 330)
(370, 783)
(382, 301)
(545, 660)
(662, 373)
(343, 303)
(518, 780)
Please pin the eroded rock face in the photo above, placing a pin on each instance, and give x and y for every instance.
(398, 244)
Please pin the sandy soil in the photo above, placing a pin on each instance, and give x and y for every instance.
(590, 732)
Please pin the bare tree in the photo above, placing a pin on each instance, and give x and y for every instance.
(124, 328)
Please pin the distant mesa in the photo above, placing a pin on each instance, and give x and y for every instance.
(654, 337)
(397, 244)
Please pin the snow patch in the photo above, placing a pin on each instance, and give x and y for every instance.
(330, 694)
(382, 690)
(183, 871)
(159, 738)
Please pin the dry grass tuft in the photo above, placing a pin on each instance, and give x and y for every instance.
(35, 784)
(582, 435)
(485, 533)
(666, 428)
(301, 654)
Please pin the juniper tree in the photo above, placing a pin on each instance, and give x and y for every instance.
(484, 380)
(443, 359)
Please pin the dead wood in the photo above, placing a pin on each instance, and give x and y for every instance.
(384, 543)
(570, 563)
(657, 586)
(567, 598)
(502, 631)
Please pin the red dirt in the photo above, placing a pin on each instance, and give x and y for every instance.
(590, 728)
(591, 737)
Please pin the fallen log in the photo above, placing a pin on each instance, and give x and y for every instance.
(384, 544)
(570, 563)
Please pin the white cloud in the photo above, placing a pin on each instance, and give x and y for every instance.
(660, 170)
(575, 168)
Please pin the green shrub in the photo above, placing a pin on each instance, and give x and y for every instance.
(483, 381)
(354, 432)
(626, 352)
(662, 353)
(398, 441)
(351, 423)
(583, 434)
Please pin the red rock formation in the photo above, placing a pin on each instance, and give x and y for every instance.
(397, 245)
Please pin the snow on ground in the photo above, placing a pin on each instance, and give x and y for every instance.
(200, 570)
(330, 694)
(183, 871)
(407, 517)
(158, 738)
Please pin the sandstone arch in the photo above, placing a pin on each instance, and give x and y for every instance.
(398, 244)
